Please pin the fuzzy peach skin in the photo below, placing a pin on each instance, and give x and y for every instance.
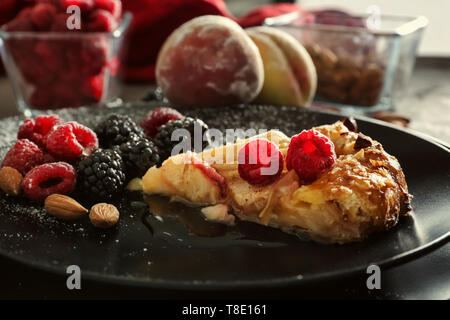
(290, 75)
(207, 61)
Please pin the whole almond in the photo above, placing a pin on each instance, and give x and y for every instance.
(64, 207)
(11, 181)
(104, 215)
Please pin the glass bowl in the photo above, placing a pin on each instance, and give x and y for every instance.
(362, 65)
(52, 70)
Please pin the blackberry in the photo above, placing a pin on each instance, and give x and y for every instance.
(117, 129)
(101, 174)
(163, 139)
(138, 156)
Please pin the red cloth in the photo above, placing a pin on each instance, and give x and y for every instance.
(154, 20)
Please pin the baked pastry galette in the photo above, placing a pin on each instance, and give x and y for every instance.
(359, 189)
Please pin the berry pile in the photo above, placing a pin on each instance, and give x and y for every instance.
(64, 72)
(187, 133)
(42, 144)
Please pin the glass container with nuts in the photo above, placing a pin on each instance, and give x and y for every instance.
(361, 65)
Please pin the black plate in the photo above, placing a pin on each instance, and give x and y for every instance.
(142, 250)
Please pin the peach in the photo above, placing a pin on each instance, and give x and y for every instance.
(209, 60)
(290, 75)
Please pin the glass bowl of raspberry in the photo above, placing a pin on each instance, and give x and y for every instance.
(64, 53)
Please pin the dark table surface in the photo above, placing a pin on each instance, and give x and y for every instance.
(426, 277)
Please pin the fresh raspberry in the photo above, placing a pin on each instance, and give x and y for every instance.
(113, 66)
(158, 117)
(70, 140)
(113, 6)
(37, 129)
(44, 124)
(26, 131)
(93, 88)
(47, 179)
(310, 154)
(260, 162)
(23, 156)
(22, 22)
(48, 158)
(36, 73)
(42, 16)
(47, 54)
(101, 21)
